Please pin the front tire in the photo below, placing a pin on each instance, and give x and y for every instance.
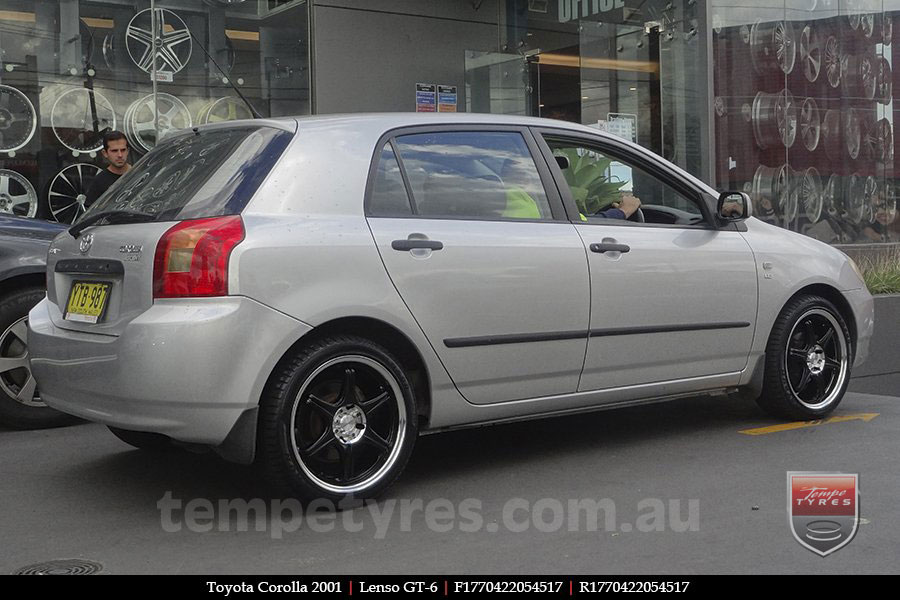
(21, 406)
(337, 421)
(808, 360)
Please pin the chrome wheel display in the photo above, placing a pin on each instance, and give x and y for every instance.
(770, 190)
(173, 41)
(831, 202)
(810, 53)
(855, 198)
(17, 195)
(884, 87)
(831, 134)
(852, 132)
(859, 78)
(833, 61)
(809, 194)
(228, 108)
(887, 29)
(879, 140)
(80, 117)
(140, 120)
(109, 51)
(348, 424)
(15, 372)
(18, 120)
(772, 46)
(68, 191)
(774, 118)
(810, 124)
(867, 24)
(816, 359)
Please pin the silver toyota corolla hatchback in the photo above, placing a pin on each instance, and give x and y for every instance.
(312, 294)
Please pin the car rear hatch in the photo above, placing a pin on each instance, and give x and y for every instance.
(182, 198)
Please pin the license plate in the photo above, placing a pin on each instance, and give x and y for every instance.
(87, 301)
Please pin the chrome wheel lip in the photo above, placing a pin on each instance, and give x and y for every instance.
(393, 456)
(34, 401)
(836, 386)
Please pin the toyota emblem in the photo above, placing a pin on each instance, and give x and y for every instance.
(86, 242)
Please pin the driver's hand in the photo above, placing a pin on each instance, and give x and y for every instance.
(628, 204)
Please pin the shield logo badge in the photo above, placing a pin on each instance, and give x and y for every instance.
(823, 509)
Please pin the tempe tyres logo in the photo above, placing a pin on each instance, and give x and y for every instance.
(823, 509)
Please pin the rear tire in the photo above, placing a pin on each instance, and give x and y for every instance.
(20, 405)
(337, 421)
(808, 360)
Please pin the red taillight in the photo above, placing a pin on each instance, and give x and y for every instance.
(192, 257)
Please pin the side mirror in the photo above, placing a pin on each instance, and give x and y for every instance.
(734, 206)
(562, 161)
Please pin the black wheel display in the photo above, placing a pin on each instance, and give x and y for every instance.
(337, 421)
(808, 359)
(67, 193)
(17, 119)
(20, 404)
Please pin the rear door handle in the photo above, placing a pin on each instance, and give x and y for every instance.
(407, 245)
(602, 248)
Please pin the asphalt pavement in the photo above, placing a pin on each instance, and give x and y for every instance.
(686, 487)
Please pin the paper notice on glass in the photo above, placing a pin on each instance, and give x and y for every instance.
(623, 125)
(447, 98)
(426, 100)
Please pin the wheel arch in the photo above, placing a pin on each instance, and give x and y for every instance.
(833, 295)
(22, 280)
(388, 336)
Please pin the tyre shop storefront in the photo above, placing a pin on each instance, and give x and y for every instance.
(792, 102)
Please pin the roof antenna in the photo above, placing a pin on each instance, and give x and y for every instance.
(256, 115)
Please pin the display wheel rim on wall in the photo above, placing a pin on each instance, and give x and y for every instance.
(852, 133)
(887, 29)
(830, 133)
(774, 118)
(810, 124)
(227, 108)
(140, 120)
(13, 117)
(91, 141)
(830, 197)
(173, 47)
(833, 61)
(854, 199)
(771, 184)
(867, 24)
(809, 191)
(68, 191)
(773, 44)
(10, 202)
(859, 76)
(869, 194)
(810, 53)
(109, 51)
(884, 87)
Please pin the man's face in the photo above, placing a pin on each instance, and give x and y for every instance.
(117, 153)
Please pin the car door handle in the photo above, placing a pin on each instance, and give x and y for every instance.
(601, 248)
(407, 245)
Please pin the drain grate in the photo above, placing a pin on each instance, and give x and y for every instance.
(74, 566)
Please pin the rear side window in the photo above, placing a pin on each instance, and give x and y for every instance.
(388, 197)
(473, 175)
(206, 174)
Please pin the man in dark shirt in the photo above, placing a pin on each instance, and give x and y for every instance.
(115, 151)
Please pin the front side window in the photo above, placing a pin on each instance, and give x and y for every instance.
(473, 175)
(599, 183)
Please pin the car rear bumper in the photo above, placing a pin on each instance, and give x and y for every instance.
(184, 368)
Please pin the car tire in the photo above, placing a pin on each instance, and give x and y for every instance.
(144, 440)
(337, 421)
(808, 360)
(20, 406)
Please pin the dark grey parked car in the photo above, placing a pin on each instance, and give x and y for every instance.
(23, 282)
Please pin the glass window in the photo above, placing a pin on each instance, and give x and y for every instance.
(600, 182)
(389, 198)
(207, 175)
(478, 175)
(73, 71)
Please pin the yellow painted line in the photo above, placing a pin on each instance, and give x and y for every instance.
(803, 424)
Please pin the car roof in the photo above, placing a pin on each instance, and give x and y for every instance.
(392, 120)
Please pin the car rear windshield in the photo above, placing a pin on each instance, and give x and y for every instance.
(201, 174)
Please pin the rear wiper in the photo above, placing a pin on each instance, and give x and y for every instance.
(126, 215)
